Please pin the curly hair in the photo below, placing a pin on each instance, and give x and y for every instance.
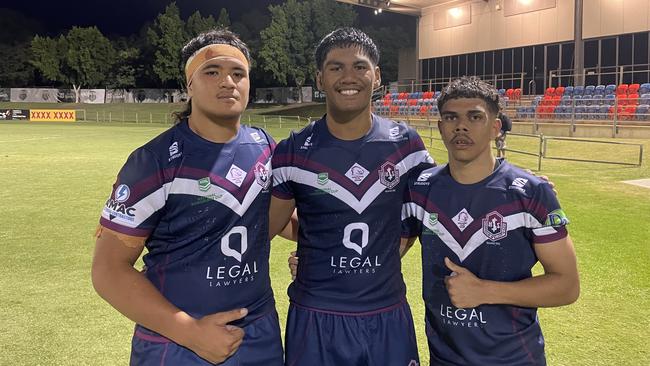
(470, 87)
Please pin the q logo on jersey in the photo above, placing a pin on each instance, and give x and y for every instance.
(122, 193)
(225, 243)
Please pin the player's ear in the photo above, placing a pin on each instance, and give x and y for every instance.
(189, 91)
(377, 77)
(496, 127)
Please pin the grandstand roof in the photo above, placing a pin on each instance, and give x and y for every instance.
(408, 7)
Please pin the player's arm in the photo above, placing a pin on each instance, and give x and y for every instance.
(282, 218)
(559, 285)
(404, 245)
(130, 292)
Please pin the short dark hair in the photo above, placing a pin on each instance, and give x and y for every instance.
(343, 38)
(470, 87)
(214, 36)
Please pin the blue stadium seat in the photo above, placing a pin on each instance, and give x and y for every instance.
(502, 91)
(580, 112)
(531, 111)
(645, 98)
(603, 112)
(566, 100)
(568, 90)
(642, 112)
(610, 89)
(589, 90)
(645, 88)
(610, 99)
(587, 99)
(600, 90)
(436, 95)
(537, 100)
(578, 90)
(592, 111)
(577, 99)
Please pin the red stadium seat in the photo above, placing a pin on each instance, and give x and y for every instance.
(517, 94)
(412, 102)
(633, 89)
(621, 89)
(402, 96)
(632, 98)
(424, 110)
(509, 93)
(556, 98)
(549, 91)
(387, 101)
(559, 91)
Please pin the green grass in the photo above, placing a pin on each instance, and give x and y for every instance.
(55, 178)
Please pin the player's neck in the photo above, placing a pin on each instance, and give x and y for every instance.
(217, 131)
(346, 126)
(474, 171)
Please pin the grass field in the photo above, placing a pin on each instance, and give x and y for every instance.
(55, 178)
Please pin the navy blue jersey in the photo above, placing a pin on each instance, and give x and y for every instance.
(349, 196)
(203, 207)
(489, 228)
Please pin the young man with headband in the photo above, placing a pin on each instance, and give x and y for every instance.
(346, 175)
(197, 197)
(483, 225)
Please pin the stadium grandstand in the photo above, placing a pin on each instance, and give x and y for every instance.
(582, 63)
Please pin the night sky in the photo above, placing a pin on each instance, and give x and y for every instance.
(125, 17)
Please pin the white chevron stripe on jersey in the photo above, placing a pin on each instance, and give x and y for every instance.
(306, 177)
(156, 200)
(515, 221)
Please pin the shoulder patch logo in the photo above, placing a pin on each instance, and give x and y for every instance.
(174, 151)
(494, 227)
(256, 137)
(462, 219)
(389, 175)
(236, 175)
(122, 193)
(555, 218)
(262, 176)
(519, 184)
(307, 143)
(393, 133)
(357, 173)
(423, 179)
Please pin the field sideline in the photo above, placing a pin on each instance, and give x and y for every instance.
(56, 177)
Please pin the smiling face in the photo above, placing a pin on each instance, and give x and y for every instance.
(348, 78)
(467, 128)
(219, 89)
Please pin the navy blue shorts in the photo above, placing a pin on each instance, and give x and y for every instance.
(385, 337)
(262, 346)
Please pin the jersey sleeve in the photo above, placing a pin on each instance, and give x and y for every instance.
(282, 168)
(411, 222)
(548, 220)
(138, 195)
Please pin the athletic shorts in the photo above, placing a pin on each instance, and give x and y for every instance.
(385, 337)
(262, 346)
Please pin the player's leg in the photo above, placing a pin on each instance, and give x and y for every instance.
(322, 339)
(393, 341)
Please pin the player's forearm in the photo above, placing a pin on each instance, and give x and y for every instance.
(548, 290)
(290, 231)
(404, 245)
(131, 293)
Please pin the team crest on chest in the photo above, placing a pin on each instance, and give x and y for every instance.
(462, 219)
(389, 175)
(262, 176)
(236, 175)
(357, 173)
(494, 227)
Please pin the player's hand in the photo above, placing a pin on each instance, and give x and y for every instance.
(293, 265)
(213, 339)
(463, 286)
(544, 178)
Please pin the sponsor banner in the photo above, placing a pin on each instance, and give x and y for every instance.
(66, 96)
(5, 94)
(14, 114)
(94, 96)
(287, 95)
(145, 96)
(34, 95)
(52, 115)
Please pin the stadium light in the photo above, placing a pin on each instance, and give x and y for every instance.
(456, 12)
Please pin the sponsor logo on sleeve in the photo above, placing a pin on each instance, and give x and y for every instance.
(423, 179)
(393, 133)
(174, 151)
(556, 218)
(256, 137)
(307, 143)
(115, 207)
(519, 184)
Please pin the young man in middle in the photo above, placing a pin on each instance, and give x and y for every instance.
(346, 174)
